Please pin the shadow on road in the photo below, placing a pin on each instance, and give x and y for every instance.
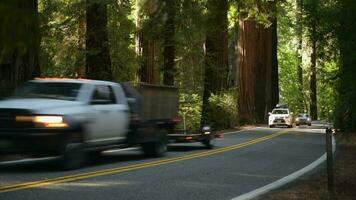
(185, 148)
(40, 166)
(52, 165)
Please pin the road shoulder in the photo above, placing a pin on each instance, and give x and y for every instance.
(316, 187)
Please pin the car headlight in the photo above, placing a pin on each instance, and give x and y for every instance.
(206, 130)
(44, 121)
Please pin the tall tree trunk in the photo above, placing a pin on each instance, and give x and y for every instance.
(139, 41)
(313, 88)
(299, 52)
(147, 66)
(346, 35)
(257, 70)
(246, 70)
(216, 55)
(169, 43)
(274, 67)
(145, 44)
(19, 43)
(80, 62)
(98, 63)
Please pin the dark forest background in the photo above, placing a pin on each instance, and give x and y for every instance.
(232, 60)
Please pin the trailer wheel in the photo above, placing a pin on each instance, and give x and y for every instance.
(210, 143)
(156, 148)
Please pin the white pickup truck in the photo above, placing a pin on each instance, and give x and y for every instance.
(70, 117)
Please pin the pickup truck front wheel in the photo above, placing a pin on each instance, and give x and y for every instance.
(73, 154)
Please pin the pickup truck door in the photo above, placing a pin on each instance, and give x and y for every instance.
(108, 124)
(120, 115)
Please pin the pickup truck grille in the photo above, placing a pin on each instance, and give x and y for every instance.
(8, 119)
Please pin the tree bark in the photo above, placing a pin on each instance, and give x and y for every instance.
(274, 67)
(346, 35)
(257, 70)
(19, 43)
(80, 62)
(169, 43)
(145, 44)
(216, 52)
(300, 53)
(313, 87)
(98, 63)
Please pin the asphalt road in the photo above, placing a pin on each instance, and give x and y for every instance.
(242, 162)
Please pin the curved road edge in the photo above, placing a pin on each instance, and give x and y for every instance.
(285, 180)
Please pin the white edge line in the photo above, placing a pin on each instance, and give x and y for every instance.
(285, 180)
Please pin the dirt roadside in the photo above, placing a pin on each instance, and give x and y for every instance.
(316, 187)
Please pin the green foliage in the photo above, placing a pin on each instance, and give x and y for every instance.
(61, 52)
(260, 10)
(327, 90)
(190, 38)
(189, 111)
(121, 29)
(223, 109)
(288, 57)
(289, 92)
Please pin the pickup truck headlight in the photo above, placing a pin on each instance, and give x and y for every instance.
(44, 121)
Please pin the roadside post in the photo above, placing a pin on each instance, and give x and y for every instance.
(330, 159)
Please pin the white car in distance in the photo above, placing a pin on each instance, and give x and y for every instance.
(280, 117)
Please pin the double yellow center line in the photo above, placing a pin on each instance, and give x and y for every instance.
(77, 177)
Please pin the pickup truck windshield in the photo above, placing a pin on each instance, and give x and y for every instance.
(55, 90)
(280, 112)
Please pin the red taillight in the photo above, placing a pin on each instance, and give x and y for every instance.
(219, 135)
(176, 120)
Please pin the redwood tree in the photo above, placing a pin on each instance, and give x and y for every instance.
(299, 32)
(169, 42)
(257, 68)
(145, 40)
(216, 53)
(312, 8)
(19, 43)
(313, 89)
(98, 63)
(346, 35)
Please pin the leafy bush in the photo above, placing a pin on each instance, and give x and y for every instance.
(223, 109)
(190, 112)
